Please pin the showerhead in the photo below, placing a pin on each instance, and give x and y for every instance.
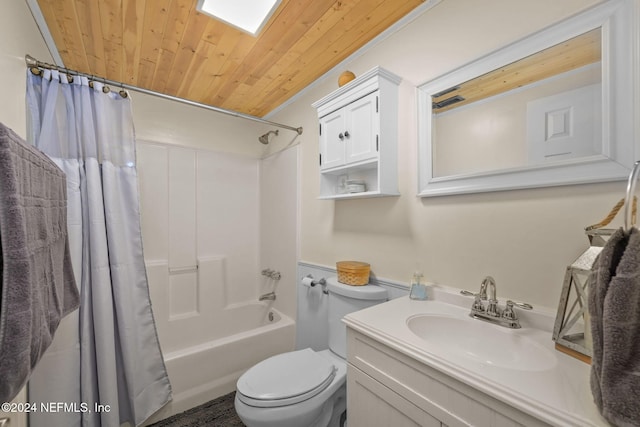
(265, 138)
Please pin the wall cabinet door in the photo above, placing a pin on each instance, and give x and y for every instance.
(350, 134)
(362, 129)
(332, 140)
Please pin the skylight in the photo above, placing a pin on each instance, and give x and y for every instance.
(246, 15)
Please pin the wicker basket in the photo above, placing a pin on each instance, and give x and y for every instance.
(353, 273)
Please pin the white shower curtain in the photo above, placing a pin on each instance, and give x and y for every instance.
(108, 354)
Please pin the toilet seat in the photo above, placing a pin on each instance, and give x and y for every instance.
(285, 379)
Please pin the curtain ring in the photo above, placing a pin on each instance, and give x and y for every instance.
(91, 84)
(106, 89)
(36, 71)
(69, 78)
(123, 93)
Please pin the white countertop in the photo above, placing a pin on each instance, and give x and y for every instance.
(559, 394)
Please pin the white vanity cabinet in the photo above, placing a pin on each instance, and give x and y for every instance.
(388, 388)
(358, 133)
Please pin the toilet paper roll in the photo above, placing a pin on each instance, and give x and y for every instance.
(307, 281)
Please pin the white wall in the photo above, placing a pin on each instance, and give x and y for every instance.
(19, 36)
(525, 239)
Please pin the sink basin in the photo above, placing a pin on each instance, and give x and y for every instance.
(483, 342)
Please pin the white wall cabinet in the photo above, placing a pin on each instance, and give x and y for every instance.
(350, 134)
(386, 387)
(358, 135)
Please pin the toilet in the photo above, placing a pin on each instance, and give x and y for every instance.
(306, 387)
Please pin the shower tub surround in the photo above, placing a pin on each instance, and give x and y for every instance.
(203, 225)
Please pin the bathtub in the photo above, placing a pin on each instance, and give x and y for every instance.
(205, 371)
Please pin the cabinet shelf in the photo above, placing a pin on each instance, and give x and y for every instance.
(339, 170)
(362, 195)
(358, 136)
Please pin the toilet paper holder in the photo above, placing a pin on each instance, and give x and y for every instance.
(313, 283)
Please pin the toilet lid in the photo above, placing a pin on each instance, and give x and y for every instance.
(286, 379)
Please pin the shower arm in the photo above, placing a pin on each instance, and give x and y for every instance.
(264, 139)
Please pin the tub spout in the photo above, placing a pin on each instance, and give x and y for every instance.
(271, 296)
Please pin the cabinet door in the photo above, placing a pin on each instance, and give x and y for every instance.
(371, 403)
(362, 128)
(332, 140)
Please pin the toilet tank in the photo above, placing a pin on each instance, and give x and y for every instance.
(345, 299)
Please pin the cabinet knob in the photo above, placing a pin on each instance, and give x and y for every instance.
(346, 133)
(341, 136)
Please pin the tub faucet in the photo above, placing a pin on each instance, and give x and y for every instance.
(271, 296)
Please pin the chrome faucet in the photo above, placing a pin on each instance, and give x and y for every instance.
(271, 296)
(492, 313)
(490, 283)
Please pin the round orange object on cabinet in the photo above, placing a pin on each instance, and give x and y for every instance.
(345, 78)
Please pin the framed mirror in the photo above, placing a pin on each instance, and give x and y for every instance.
(555, 108)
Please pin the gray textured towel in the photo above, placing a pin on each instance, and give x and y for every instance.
(614, 305)
(38, 286)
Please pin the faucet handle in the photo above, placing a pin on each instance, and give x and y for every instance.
(509, 313)
(522, 305)
(477, 303)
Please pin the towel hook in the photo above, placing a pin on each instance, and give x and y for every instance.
(628, 201)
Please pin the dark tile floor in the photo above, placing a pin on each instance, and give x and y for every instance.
(215, 413)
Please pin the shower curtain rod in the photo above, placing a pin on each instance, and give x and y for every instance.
(32, 62)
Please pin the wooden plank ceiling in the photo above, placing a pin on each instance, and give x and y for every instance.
(574, 53)
(167, 46)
